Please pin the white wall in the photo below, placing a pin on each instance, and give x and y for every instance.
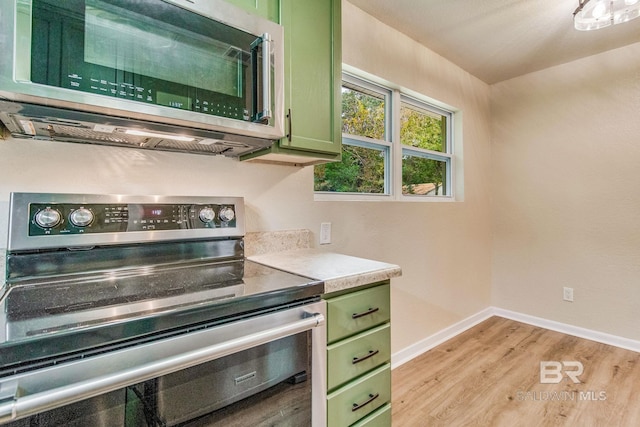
(566, 200)
(275, 195)
(443, 248)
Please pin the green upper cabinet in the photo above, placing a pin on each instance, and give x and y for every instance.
(313, 67)
(269, 9)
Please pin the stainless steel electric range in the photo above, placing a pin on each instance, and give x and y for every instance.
(142, 311)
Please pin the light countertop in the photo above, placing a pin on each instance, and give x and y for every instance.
(339, 272)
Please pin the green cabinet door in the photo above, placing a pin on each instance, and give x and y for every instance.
(313, 67)
(380, 418)
(352, 357)
(359, 398)
(313, 63)
(357, 311)
(269, 9)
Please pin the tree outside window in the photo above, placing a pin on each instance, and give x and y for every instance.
(424, 171)
(423, 153)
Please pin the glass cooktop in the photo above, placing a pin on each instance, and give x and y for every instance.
(71, 314)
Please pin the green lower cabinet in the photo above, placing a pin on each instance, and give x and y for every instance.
(356, 400)
(357, 311)
(359, 356)
(355, 356)
(380, 418)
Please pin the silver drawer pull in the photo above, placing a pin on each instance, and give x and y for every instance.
(365, 313)
(363, 358)
(371, 398)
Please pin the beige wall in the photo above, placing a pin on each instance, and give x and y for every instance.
(566, 200)
(441, 247)
(550, 195)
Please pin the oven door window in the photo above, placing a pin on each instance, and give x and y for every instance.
(260, 387)
(147, 51)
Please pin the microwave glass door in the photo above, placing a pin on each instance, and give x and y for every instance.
(150, 51)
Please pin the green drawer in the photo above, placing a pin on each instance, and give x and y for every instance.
(359, 398)
(357, 355)
(357, 311)
(380, 418)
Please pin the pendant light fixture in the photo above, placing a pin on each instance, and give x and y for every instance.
(596, 14)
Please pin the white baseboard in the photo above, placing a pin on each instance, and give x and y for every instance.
(422, 346)
(576, 331)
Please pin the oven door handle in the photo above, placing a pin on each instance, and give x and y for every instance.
(38, 391)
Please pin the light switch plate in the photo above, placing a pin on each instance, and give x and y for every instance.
(325, 233)
(567, 294)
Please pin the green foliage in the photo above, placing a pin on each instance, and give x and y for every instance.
(422, 130)
(361, 171)
(418, 171)
(362, 168)
(362, 114)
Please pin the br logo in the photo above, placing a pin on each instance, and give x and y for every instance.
(552, 372)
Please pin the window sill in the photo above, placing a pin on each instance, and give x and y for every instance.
(353, 197)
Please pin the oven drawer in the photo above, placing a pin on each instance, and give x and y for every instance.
(357, 311)
(357, 355)
(358, 399)
(195, 391)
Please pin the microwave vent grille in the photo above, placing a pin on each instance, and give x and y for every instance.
(82, 133)
(119, 137)
(46, 123)
(220, 147)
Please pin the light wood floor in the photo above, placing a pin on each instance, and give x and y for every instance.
(490, 376)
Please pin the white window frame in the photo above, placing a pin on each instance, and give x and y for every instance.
(446, 157)
(394, 98)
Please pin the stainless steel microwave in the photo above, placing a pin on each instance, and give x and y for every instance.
(146, 65)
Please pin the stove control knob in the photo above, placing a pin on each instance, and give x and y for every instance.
(81, 217)
(48, 217)
(207, 215)
(226, 214)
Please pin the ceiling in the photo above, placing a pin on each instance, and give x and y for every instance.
(496, 40)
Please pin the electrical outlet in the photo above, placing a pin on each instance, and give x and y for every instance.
(325, 233)
(567, 294)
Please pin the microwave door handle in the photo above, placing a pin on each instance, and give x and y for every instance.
(265, 41)
(266, 77)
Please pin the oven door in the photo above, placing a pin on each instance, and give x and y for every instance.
(166, 381)
(201, 61)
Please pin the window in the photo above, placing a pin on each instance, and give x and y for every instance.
(394, 146)
(426, 158)
(366, 148)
